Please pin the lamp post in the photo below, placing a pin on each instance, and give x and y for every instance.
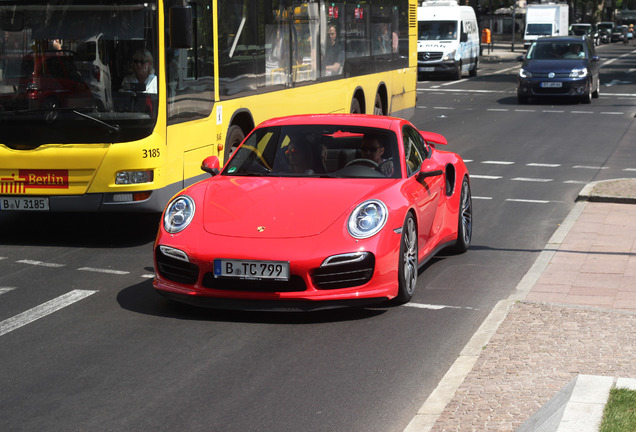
(514, 24)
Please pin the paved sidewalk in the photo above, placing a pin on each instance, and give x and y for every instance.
(573, 313)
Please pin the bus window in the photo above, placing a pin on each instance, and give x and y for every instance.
(356, 31)
(190, 72)
(241, 46)
(306, 46)
(332, 41)
(382, 30)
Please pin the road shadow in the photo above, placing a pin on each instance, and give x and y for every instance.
(142, 298)
(89, 230)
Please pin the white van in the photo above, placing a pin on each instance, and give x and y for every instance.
(448, 39)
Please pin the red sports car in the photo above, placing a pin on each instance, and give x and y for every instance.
(315, 211)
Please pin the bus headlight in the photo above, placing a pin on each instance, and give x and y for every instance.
(178, 214)
(134, 177)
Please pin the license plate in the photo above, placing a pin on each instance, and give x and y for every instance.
(427, 69)
(551, 84)
(248, 269)
(29, 204)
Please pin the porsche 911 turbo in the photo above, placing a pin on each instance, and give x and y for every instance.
(314, 212)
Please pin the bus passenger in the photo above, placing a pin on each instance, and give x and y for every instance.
(143, 73)
(334, 54)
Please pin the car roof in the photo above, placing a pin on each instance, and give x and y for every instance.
(561, 39)
(364, 120)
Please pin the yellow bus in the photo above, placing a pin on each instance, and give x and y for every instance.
(112, 105)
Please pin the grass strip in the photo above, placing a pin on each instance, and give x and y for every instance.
(620, 411)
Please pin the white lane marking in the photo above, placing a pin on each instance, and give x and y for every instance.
(487, 177)
(443, 108)
(543, 165)
(481, 198)
(582, 112)
(553, 111)
(43, 310)
(435, 307)
(455, 82)
(148, 276)
(528, 179)
(40, 263)
(4, 290)
(588, 167)
(498, 109)
(100, 270)
(525, 110)
(612, 112)
(629, 169)
(575, 182)
(493, 162)
(1, 258)
(527, 201)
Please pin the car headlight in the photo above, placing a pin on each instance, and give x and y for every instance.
(178, 214)
(578, 73)
(367, 219)
(449, 55)
(524, 73)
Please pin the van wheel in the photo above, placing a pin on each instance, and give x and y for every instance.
(473, 72)
(458, 72)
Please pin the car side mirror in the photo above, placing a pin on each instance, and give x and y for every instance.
(520, 58)
(595, 58)
(211, 165)
(429, 169)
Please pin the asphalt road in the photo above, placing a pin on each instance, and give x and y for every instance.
(85, 344)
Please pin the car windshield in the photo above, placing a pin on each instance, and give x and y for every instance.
(317, 151)
(437, 30)
(556, 51)
(67, 68)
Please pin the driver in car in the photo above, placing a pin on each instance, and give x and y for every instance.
(372, 148)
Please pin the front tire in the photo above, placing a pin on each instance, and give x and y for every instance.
(465, 219)
(408, 262)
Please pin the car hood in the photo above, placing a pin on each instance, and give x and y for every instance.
(546, 66)
(259, 207)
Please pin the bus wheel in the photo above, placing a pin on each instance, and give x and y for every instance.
(378, 109)
(355, 107)
(235, 136)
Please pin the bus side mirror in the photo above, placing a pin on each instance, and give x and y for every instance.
(181, 27)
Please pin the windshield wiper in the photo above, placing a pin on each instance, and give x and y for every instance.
(113, 129)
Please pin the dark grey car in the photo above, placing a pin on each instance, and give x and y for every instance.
(559, 66)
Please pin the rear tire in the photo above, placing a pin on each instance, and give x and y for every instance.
(465, 219)
(378, 108)
(408, 261)
(355, 107)
(473, 72)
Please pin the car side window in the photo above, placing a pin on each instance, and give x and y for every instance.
(415, 150)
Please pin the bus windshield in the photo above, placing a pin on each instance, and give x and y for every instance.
(78, 71)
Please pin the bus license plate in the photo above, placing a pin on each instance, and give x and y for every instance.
(29, 204)
(246, 269)
(556, 84)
